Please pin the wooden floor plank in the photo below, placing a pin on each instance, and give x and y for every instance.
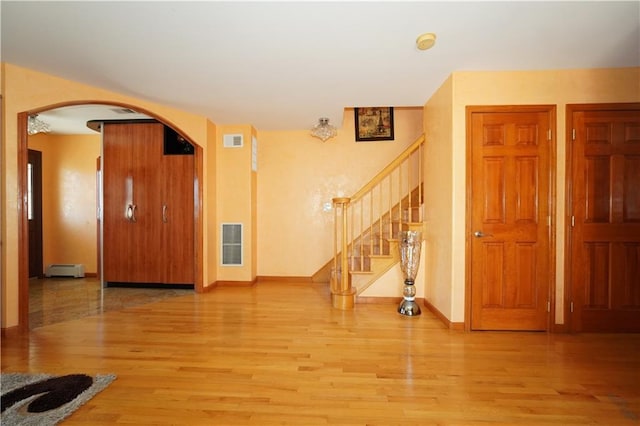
(277, 353)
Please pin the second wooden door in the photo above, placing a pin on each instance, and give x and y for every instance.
(605, 217)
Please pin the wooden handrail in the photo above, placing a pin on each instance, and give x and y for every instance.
(347, 242)
(388, 169)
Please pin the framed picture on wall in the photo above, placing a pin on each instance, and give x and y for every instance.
(374, 124)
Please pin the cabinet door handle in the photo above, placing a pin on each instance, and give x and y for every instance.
(164, 213)
(133, 212)
(128, 213)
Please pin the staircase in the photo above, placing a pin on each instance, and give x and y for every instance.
(367, 225)
(373, 255)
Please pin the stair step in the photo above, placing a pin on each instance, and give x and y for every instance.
(368, 261)
(376, 265)
(361, 272)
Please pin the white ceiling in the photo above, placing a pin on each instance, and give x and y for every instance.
(282, 65)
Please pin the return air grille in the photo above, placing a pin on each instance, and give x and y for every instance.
(232, 244)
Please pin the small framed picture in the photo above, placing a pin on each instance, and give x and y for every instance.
(374, 124)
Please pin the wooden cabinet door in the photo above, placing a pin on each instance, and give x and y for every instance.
(148, 207)
(605, 238)
(132, 202)
(178, 219)
(117, 184)
(146, 236)
(510, 247)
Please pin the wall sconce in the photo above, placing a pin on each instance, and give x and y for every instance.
(324, 130)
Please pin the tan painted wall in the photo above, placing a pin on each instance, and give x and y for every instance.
(235, 191)
(557, 87)
(69, 198)
(439, 179)
(254, 203)
(209, 202)
(27, 90)
(298, 174)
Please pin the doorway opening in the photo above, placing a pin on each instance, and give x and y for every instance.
(24, 184)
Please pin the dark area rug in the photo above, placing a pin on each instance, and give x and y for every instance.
(44, 399)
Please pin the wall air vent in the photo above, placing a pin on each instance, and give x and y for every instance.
(233, 141)
(231, 244)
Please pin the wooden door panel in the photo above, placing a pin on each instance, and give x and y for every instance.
(510, 189)
(492, 293)
(605, 237)
(178, 228)
(132, 209)
(495, 294)
(630, 189)
(494, 198)
(597, 190)
(597, 257)
(629, 293)
(146, 250)
(611, 275)
(525, 293)
(526, 190)
(117, 196)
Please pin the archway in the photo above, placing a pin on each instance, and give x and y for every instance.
(23, 245)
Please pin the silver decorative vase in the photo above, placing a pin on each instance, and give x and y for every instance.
(410, 245)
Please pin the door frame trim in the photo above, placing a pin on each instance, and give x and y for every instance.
(551, 109)
(23, 234)
(570, 109)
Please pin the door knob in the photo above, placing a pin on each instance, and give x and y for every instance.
(480, 234)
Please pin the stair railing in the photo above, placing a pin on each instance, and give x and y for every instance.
(365, 222)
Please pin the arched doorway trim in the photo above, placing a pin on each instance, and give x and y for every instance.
(23, 245)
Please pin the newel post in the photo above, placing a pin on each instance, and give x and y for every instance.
(342, 294)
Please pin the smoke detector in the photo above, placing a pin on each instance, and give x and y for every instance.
(426, 41)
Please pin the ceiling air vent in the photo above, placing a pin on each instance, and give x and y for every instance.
(233, 141)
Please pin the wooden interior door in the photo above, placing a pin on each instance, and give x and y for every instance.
(509, 217)
(34, 213)
(605, 209)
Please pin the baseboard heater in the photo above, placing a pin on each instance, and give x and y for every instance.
(65, 270)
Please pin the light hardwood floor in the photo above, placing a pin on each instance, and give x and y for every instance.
(59, 299)
(277, 353)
